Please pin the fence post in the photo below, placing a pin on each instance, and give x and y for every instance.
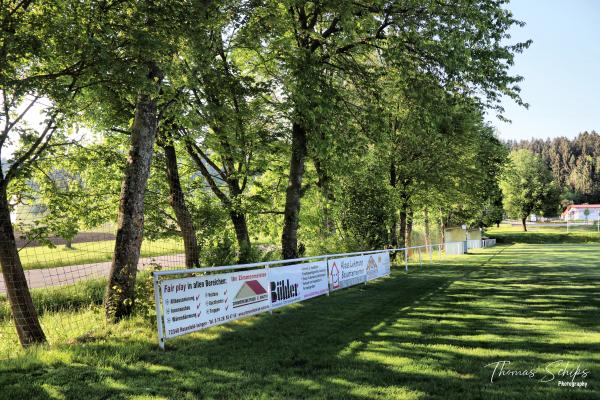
(366, 280)
(269, 280)
(327, 267)
(430, 249)
(159, 326)
(440, 251)
(420, 260)
(406, 260)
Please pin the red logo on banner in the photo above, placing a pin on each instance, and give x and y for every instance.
(335, 276)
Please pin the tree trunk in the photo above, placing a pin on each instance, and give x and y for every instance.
(497, 224)
(427, 230)
(443, 230)
(394, 227)
(23, 311)
(394, 233)
(293, 193)
(409, 227)
(524, 221)
(120, 292)
(323, 183)
(177, 201)
(403, 226)
(241, 233)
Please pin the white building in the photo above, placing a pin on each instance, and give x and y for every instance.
(577, 212)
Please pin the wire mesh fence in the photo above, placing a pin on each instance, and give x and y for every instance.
(67, 282)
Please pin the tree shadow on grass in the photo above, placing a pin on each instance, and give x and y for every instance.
(427, 334)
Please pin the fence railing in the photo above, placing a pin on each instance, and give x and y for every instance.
(197, 298)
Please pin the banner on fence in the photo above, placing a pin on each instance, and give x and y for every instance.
(198, 302)
(346, 272)
(378, 265)
(195, 303)
(297, 282)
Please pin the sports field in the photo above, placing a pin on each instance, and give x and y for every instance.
(434, 333)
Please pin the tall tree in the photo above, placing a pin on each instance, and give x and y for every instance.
(149, 41)
(427, 37)
(526, 183)
(37, 65)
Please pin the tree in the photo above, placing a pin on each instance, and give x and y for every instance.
(526, 182)
(38, 65)
(431, 38)
(224, 127)
(139, 76)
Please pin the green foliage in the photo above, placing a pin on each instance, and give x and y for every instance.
(365, 207)
(526, 184)
(72, 298)
(575, 164)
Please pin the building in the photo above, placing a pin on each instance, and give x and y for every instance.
(581, 212)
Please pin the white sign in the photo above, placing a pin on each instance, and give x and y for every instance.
(378, 265)
(191, 304)
(295, 283)
(346, 272)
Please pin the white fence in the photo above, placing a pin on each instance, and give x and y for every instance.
(189, 300)
(488, 242)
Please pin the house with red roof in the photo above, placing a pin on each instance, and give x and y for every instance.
(577, 212)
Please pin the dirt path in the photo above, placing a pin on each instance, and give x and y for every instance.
(40, 278)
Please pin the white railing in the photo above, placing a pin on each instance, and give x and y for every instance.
(474, 244)
(204, 293)
(488, 242)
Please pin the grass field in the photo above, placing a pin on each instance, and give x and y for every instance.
(545, 234)
(428, 334)
(91, 252)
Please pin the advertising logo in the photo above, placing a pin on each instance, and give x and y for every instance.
(250, 292)
(335, 276)
(283, 290)
(372, 266)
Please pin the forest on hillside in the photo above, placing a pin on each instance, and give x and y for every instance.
(574, 163)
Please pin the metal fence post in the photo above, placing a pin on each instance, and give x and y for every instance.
(159, 325)
(327, 267)
(366, 279)
(269, 280)
(406, 260)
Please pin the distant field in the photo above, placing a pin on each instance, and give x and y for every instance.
(91, 252)
(428, 334)
(545, 234)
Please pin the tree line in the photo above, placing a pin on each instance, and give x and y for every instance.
(574, 163)
(327, 124)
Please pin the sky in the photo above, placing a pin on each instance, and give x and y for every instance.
(561, 70)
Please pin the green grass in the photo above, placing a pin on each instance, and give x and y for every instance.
(427, 334)
(545, 234)
(92, 252)
(62, 298)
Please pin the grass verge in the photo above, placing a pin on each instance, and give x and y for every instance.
(428, 334)
(544, 234)
(91, 252)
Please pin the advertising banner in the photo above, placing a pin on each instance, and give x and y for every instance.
(378, 265)
(195, 303)
(346, 272)
(294, 283)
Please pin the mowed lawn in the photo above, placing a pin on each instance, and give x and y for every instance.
(41, 257)
(428, 334)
